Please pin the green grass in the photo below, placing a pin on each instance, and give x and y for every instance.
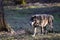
(29, 37)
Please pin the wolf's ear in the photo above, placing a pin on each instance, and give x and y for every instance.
(32, 18)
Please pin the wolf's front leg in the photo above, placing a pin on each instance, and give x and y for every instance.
(35, 31)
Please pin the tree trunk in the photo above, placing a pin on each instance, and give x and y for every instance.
(3, 25)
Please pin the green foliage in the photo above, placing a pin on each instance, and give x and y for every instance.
(23, 2)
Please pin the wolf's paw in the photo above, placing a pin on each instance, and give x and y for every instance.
(33, 35)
